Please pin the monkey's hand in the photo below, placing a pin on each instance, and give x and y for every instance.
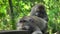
(37, 32)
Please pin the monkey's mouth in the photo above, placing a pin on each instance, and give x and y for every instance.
(24, 29)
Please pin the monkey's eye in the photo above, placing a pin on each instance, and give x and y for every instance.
(31, 20)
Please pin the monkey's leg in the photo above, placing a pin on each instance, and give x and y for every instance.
(37, 30)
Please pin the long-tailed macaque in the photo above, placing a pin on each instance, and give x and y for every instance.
(32, 23)
(39, 10)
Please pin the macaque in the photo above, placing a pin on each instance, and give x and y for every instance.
(39, 11)
(32, 23)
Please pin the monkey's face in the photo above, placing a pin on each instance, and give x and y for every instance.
(39, 14)
(39, 11)
(24, 25)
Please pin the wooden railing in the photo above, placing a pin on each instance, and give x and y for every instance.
(15, 32)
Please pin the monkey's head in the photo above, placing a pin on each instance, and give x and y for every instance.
(39, 10)
(25, 24)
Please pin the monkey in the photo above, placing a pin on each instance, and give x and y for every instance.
(39, 10)
(32, 23)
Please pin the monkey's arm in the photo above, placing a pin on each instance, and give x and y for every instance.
(41, 23)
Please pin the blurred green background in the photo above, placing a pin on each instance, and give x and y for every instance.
(22, 8)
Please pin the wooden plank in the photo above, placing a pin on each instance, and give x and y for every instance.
(15, 32)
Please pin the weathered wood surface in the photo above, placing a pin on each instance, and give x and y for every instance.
(14, 32)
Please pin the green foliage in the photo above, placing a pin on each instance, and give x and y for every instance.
(22, 8)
